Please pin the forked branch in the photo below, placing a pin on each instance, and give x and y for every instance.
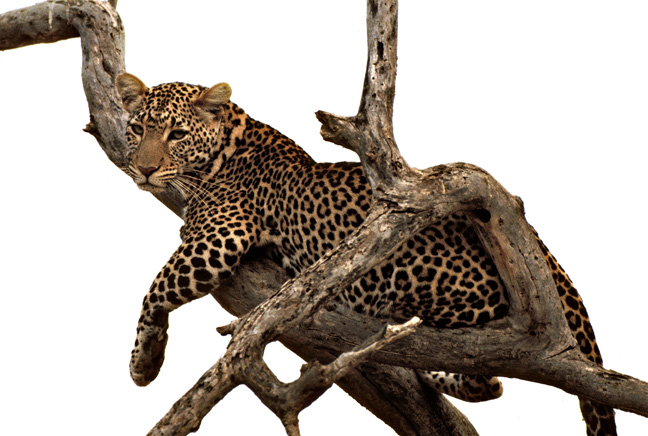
(529, 344)
(243, 364)
(393, 394)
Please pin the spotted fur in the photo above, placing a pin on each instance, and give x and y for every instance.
(248, 185)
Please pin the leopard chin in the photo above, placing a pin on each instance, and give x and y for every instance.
(153, 189)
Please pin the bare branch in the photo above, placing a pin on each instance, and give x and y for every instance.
(532, 343)
(43, 23)
(243, 363)
(210, 388)
(535, 327)
(370, 132)
(536, 318)
(375, 386)
(288, 400)
(349, 359)
(399, 398)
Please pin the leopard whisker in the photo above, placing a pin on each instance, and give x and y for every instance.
(199, 180)
(196, 182)
(191, 189)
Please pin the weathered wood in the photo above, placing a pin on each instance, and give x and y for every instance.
(43, 23)
(325, 336)
(532, 343)
(377, 387)
(407, 200)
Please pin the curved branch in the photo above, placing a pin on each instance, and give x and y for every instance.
(39, 24)
(288, 400)
(395, 395)
(43, 23)
(529, 344)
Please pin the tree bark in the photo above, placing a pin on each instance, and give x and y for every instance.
(395, 395)
(532, 343)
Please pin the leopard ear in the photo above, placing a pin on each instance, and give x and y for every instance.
(211, 101)
(131, 89)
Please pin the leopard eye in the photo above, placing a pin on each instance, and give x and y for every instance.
(177, 135)
(137, 129)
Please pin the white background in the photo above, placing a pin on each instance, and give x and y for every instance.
(550, 97)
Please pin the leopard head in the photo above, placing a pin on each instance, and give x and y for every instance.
(172, 130)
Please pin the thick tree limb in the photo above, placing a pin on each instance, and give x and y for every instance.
(534, 333)
(287, 400)
(393, 394)
(532, 343)
(393, 398)
(41, 23)
(529, 344)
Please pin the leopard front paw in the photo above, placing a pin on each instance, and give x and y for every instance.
(148, 355)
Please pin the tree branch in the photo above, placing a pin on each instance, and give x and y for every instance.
(288, 400)
(395, 395)
(42, 23)
(532, 343)
(407, 201)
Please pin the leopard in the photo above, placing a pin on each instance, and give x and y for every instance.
(246, 185)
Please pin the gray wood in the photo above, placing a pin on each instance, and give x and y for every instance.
(533, 342)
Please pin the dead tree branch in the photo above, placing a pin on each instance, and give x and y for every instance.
(532, 343)
(393, 394)
(243, 364)
(390, 392)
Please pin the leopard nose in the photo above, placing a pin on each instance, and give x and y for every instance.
(147, 171)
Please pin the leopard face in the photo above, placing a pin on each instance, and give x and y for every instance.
(171, 130)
